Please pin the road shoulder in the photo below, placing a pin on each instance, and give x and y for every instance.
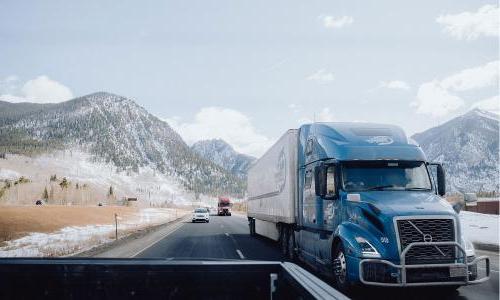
(135, 243)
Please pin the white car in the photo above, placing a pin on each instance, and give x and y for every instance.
(201, 214)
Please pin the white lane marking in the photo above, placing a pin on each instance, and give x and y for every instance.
(240, 254)
(227, 234)
(175, 227)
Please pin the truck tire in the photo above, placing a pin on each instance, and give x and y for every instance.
(291, 245)
(284, 240)
(251, 225)
(340, 279)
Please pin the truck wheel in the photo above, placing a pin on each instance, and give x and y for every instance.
(284, 241)
(251, 225)
(291, 245)
(340, 269)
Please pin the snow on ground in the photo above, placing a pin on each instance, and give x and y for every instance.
(148, 185)
(480, 228)
(73, 239)
(8, 174)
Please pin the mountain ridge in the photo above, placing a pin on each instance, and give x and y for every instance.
(224, 155)
(113, 129)
(467, 146)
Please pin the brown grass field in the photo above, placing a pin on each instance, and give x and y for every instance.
(18, 221)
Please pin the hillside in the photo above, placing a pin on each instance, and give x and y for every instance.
(468, 148)
(222, 154)
(113, 130)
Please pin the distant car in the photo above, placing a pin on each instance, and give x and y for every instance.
(38, 202)
(201, 214)
(100, 204)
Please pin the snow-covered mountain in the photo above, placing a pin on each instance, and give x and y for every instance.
(112, 129)
(468, 148)
(221, 153)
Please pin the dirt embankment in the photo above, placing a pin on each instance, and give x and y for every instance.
(18, 221)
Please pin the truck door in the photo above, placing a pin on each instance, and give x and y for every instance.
(309, 217)
(331, 219)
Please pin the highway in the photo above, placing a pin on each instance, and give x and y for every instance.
(228, 238)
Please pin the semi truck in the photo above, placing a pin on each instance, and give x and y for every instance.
(224, 206)
(361, 203)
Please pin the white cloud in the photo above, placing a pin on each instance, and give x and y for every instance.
(395, 84)
(433, 99)
(472, 25)
(11, 78)
(321, 76)
(491, 104)
(473, 78)
(439, 97)
(230, 125)
(336, 22)
(41, 89)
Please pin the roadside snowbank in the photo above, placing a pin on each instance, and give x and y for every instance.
(480, 228)
(8, 174)
(75, 239)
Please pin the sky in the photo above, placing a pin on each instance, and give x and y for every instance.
(246, 71)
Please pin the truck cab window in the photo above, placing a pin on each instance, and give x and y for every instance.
(373, 176)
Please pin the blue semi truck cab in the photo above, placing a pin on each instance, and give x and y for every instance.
(361, 202)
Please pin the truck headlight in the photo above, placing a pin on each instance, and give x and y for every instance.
(367, 249)
(469, 247)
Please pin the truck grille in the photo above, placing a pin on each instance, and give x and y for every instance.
(419, 230)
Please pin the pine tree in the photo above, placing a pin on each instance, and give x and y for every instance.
(45, 195)
(64, 183)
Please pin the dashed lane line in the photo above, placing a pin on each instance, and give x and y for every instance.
(177, 226)
(240, 254)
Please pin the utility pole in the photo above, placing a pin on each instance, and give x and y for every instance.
(116, 226)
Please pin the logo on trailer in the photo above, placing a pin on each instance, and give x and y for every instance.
(280, 174)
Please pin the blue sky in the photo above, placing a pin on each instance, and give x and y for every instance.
(246, 71)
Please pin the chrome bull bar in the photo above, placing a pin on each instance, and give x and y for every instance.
(403, 267)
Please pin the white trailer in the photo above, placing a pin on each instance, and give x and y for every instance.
(272, 190)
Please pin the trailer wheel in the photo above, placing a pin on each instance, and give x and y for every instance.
(284, 240)
(291, 245)
(251, 225)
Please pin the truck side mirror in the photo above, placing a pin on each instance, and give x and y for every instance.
(325, 181)
(319, 180)
(441, 180)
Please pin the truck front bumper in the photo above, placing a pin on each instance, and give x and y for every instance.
(382, 272)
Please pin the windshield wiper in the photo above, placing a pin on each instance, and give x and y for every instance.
(417, 189)
(380, 187)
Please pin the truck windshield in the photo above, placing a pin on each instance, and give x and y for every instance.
(372, 176)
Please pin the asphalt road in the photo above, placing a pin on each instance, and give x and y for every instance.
(228, 238)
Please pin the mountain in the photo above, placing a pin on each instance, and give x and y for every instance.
(113, 129)
(468, 148)
(222, 154)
